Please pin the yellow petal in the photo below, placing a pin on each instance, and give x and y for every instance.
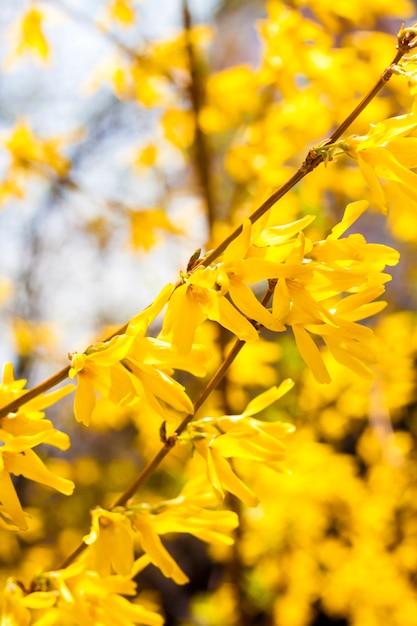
(183, 316)
(31, 466)
(226, 314)
(278, 234)
(371, 179)
(266, 398)
(260, 447)
(244, 298)
(48, 399)
(236, 250)
(110, 352)
(352, 212)
(164, 387)
(281, 302)
(10, 501)
(404, 150)
(225, 477)
(141, 321)
(348, 360)
(40, 600)
(386, 166)
(311, 354)
(85, 399)
(158, 554)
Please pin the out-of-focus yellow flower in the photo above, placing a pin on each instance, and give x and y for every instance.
(30, 336)
(122, 11)
(19, 433)
(179, 127)
(26, 149)
(29, 35)
(30, 155)
(232, 95)
(144, 224)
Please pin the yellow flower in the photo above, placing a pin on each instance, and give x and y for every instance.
(189, 513)
(203, 294)
(111, 543)
(243, 437)
(122, 11)
(99, 370)
(154, 548)
(145, 223)
(388, 153)
(310, 283)
(82, 597)
(198, 299)
(132, 368)
(28, 34)
(26, 149)
(19, 433)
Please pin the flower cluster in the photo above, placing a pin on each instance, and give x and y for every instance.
(20, 432)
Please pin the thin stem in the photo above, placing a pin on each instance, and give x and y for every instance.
(384, 78)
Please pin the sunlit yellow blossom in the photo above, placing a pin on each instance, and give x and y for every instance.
(198, 299)
(189, 513)
(231, 279)
(19, 433)
(110, 371)
(310, 282)
(388, 152)
(206, 291)
(99, 371)
(111, 543)
(241, 436)
(132, 368)
(154, 548)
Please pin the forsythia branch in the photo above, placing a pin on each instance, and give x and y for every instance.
(407, 41)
